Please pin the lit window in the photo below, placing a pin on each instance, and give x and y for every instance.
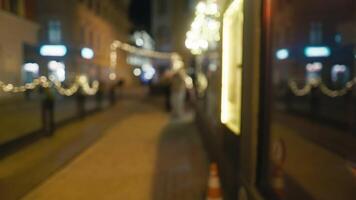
(54, 31)
(232, 67)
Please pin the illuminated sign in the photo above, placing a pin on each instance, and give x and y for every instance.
(53, 50)
(317, 52)
(282, 54)
(57, 70)
(314, 67)
(87, 53)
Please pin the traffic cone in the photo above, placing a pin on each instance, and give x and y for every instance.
(214, 190)
(278, 181)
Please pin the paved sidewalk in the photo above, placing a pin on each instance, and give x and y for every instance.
(143, 156)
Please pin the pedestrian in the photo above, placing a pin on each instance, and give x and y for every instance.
(48, 111)
(178, 93)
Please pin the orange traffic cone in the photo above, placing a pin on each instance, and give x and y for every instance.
(214, 190)
(278, 182)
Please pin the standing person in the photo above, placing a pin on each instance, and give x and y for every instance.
(48, 111)
(166, 87)
(178, 93)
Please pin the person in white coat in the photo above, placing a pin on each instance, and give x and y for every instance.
(178, 94)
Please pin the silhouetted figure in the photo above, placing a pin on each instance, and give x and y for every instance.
(99, 96)
(48, 112)
(178, 93)
(167, 95)
(81, 104)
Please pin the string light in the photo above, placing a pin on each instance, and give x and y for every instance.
(205, 28)
(81, 82)
(306, 89)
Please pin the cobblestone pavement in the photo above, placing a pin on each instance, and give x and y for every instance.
(143, 156)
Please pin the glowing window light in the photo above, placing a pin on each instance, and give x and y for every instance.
(282, 54)
(336, 70)
(87, 53)
(317, 52)
(137, 72)
(57, 70)
(314, 67)
(339, 68)
(148, 71)
(31, 67)
(53, 50)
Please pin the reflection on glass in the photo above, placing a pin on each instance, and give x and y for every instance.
(312, 127)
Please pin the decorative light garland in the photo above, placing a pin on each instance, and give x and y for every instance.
(306, 89)
(81, 82)
(175, 58)
(205, 29)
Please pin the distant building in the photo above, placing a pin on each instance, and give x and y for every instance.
(170, 22)
(142, 67)
(89, 24)
(17, 31)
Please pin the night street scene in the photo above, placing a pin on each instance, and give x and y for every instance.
(177, 100)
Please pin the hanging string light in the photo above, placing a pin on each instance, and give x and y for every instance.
(307, 88)
(81, 82)
(175, 58)
(205, 28)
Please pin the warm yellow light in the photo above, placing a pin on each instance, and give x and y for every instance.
(112, 76)
(232, 66)
(205, 28)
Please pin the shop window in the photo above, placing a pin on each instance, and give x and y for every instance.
(232, 66)
(307, 141)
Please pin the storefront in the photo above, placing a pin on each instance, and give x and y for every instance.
(286, 81)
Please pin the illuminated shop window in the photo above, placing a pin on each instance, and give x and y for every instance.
(232, 66)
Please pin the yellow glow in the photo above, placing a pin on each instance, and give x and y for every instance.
(232, 66)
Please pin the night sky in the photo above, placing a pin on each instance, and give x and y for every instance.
(140, 14)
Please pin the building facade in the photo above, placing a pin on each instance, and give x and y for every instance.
(19, 31)
(89, 24)
(284, 125)
(170, 20)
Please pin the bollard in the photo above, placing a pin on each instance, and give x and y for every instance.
(99, 99)
(48, 113)
(81, 105)
(112, 95)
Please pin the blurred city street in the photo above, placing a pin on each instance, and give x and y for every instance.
(177, 99)
(144, 155)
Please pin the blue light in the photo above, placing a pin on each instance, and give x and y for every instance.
(282, 54)
(53, 50)
(317, 52)
(87, 53)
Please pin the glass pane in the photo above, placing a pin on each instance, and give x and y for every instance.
(312, 141)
